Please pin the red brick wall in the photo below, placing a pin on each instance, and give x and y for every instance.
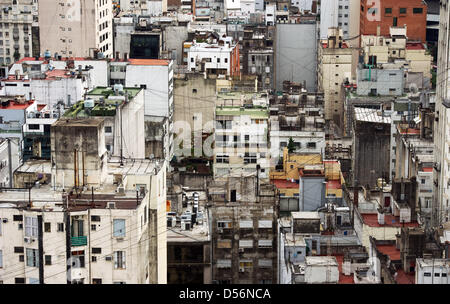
(416, 23)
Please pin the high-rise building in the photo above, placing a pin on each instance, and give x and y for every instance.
(440, 211)
(376, 17)
(17, 31)
(76, 30)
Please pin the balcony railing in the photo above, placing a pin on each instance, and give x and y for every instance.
(78, 240)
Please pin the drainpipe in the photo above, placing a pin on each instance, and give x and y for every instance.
(40, 250)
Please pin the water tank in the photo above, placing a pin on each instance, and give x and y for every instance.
(118, 88)
(89, 103)
(100, 55)
(47, 54)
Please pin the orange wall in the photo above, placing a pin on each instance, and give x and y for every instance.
(416, 23)
(235, 66)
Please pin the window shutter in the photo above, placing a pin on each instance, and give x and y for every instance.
(116, 259)
(123, 259)
(1, 259)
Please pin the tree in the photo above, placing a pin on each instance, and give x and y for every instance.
(291, 145)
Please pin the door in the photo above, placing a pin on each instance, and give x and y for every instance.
(233, 196)
(394, 22)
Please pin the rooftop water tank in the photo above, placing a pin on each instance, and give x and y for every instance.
(118, 88)
(47, 54)
(89, 103)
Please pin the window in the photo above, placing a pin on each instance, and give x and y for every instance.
(427, 274)
(33, 127)
(31, 226)
(311, 145)
(48, 260)
(60, 227)
(417, 10)
(119, 259)
(93, 227)
(422, 181)
(108, 129)
(222, 159)
(79, 259)
(95, 218)
(218, 60)
(17, 218)
(402, 10)
(437, 274)
(96, 250)
(224, 124)
(21, 258)
(18, 249)
(94, 258)
(1, 259)
(19, 280)
(47, 227)
(119, 228)
(96, 281)
(388, 10)
(32, 257)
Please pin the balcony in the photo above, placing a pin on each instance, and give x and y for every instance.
(78, 241)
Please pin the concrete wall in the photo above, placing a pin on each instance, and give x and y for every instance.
(174, 36)
(296, 59)
(371, 152)
(6, 161)
(312, 193)
(385, 82)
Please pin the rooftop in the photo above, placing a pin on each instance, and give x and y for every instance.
(79, 122)
(371, 115)
(261, 113)
(284, 184)
(35, 166)
(389, 220)
(390, 250)
(162, 62)
(321, 261)
(107, 92)
(11, 105)
(305, 215)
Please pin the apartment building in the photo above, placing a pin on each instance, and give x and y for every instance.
(123, 112)
(220, 58)
(77, 30)
(18, 30)
(441, 172)
(335, 68)
(9, 155)
(90, 238)
(298, 117)
(241, 141)
(396, 50)
(377, 19)
(243, 216)
(335, 14)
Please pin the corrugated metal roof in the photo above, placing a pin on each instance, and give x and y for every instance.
(371, 115)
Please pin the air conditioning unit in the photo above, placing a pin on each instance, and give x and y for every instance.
(241, 269)
(5, 220)
(27, 240)
(108, 258)
(220, 230)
